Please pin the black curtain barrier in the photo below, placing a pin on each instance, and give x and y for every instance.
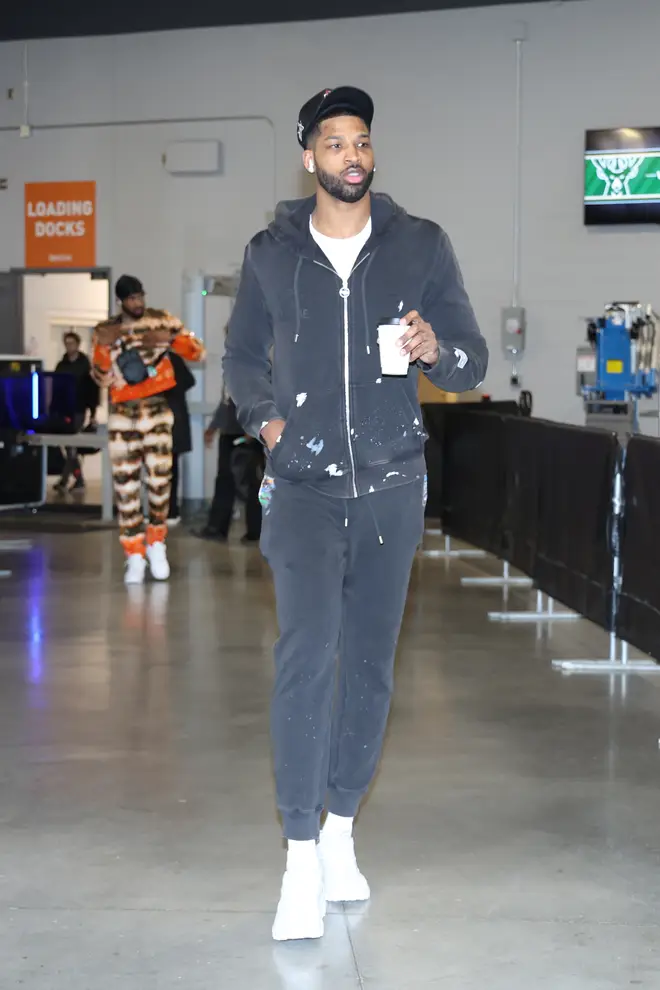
(638, 618)
(436, 416)
(559, 512)
(474, 479)
(533, 492)
(539, 494)
(521, 515)
(434, 424)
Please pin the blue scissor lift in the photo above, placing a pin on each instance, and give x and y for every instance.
(618, 367)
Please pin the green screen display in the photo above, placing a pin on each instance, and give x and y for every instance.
(622, 176)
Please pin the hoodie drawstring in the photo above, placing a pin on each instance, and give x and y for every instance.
(373, 516)
(364, 299)
(296, 297)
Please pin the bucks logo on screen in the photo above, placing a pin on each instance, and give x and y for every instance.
(617, 176)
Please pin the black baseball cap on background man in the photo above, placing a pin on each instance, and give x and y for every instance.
(354, 102)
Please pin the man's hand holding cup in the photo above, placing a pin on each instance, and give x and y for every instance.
(419, 340)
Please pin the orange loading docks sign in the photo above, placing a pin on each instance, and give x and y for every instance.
(60, 224)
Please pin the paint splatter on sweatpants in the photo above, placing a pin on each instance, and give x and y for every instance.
(140, 438)
(341, 569)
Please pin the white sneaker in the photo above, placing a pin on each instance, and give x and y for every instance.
(301, 909)
(342, 880)
(158, 562)
(136, 565)
(174, 521)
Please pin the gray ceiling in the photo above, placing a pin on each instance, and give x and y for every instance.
(79, 18)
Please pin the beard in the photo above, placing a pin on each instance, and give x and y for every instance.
(135, 314)
(345, 192)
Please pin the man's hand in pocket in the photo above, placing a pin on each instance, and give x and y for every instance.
(272, 432)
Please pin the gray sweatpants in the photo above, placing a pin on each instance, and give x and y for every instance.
(340, 595)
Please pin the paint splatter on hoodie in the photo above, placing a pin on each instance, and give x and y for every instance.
(303, 347)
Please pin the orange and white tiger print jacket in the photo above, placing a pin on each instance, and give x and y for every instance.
(117, 332)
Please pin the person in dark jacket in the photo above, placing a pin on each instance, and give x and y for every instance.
(227, 485)
(344, 487)
(181, 434)
(75, 363)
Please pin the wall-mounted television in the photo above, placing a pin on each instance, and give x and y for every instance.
(622, 176)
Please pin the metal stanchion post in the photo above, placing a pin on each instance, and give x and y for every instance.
(453, 554)
(506, 581)
(618, 661)
(540, 615)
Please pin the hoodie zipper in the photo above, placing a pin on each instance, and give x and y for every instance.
(345, 292)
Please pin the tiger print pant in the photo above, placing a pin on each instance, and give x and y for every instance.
(140, 437)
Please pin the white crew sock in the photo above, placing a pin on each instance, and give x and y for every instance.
(301, 856)
(335, 826)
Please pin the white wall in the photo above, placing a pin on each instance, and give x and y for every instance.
(443, 84)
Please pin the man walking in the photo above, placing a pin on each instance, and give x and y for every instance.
(131, 356)
(77, 364)
(308, 364)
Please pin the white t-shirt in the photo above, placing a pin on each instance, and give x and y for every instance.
(342, 252)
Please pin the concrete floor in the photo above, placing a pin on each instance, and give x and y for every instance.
(91, 495)
(512, 839)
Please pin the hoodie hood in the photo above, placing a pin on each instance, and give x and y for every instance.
(291, 223)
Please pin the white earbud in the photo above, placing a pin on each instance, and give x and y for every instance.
(310, 167)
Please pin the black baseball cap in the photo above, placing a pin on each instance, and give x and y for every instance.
(354, 102)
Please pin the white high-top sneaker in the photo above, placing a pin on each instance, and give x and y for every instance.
(302, 905)
(136, 565)
(158, 562)
(342, 879)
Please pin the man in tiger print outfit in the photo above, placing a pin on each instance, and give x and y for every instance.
(131, 357)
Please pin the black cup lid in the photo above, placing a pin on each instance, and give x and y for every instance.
(389, 321)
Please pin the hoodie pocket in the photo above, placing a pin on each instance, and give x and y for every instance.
(387, 427)
(312, 445)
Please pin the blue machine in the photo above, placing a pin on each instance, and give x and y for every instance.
(619, 366)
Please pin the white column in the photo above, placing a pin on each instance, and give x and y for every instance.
(192, 464)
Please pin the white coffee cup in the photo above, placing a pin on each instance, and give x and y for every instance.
(392, 361)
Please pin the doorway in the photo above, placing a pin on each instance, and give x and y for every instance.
(54, 304)
(60, 300)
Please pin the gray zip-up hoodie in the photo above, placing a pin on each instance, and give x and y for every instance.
(302, 346)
